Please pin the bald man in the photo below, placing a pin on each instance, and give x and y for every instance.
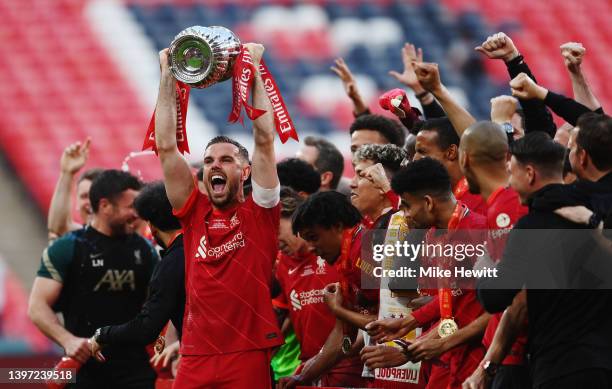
(483, 156)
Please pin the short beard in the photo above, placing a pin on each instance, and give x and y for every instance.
(228, 200)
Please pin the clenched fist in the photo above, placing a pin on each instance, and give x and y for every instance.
(573, 53)
(503, 108)
(256, 50)
(524, 88)
(498, 46)
(428, 75)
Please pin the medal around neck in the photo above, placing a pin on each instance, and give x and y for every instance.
(447, 327)
(203, 56)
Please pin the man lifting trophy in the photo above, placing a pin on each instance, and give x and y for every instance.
(202, 56)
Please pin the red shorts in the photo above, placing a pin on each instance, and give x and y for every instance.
(241, 370)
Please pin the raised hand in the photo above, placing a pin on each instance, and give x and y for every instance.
(410, 56)
(75, 157)
(346, 76)
(377, 174)
(164, 60)
(524, 88)
(498, 46)
(573, 54)
(503, 108)
(428, 76)
(256, 50)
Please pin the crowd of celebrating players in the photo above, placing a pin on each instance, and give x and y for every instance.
(266, 277)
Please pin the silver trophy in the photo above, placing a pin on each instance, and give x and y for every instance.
(202, 56)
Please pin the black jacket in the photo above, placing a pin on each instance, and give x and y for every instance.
(166, 301)
(568, 325)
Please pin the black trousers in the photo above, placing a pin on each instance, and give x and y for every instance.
(583, 379)
(511, 377)
(115, 374)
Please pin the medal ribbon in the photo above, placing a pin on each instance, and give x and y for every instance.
(446, 303)
(444, 293)
(182, 101)
(344, 266)
(244, 75)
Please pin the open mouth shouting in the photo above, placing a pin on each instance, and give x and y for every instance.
(218, 183)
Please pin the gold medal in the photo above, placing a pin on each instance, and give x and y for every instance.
(447, 327)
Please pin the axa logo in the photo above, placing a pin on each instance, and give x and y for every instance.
(117, 280)
(295, 300)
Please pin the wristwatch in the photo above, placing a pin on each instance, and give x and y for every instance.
(490, 368)
(508, 128)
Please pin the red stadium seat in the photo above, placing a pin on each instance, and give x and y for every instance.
(61, 91)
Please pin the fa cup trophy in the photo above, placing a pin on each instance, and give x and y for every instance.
(202, 56)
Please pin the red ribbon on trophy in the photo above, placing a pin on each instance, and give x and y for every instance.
(182, 101)
(244, 75)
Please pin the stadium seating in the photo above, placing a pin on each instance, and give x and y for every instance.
(59, 86)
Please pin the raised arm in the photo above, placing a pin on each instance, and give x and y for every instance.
(429, 77)
(573, 54)
(45, 293)
(264, 159)
(410, 56)
(350, 87)
(525, 88)
(59, 220)
(500, 46)
(178, 179)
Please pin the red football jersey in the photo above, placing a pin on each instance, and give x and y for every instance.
(353, 272)
(504, 210)
(228, 270)
(474, 202)
(302, 279)
(466, 307)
